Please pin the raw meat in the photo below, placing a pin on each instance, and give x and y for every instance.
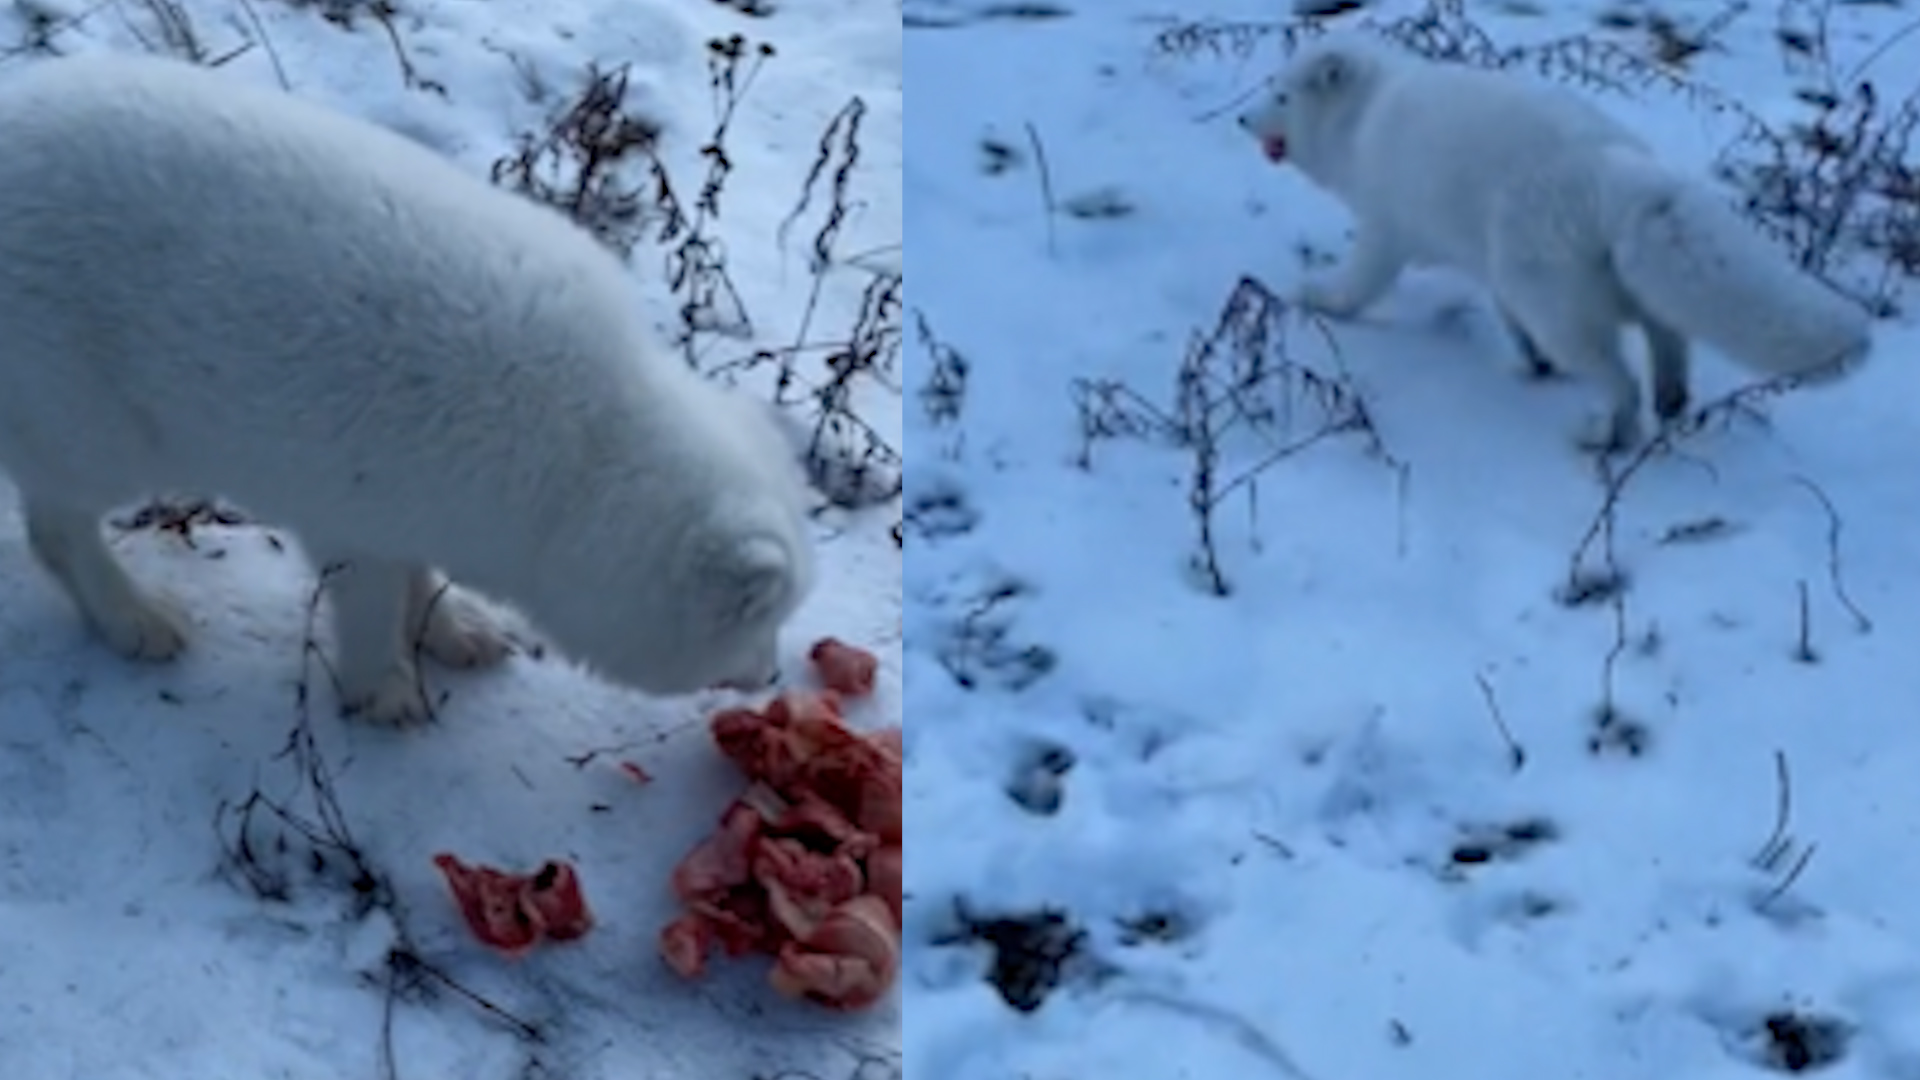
(805, 866)
(515, 912)
(843, 668)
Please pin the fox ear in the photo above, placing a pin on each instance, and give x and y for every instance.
(756, 577)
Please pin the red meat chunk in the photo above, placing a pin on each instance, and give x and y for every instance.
(515, 912)
(806, 864)
(843, 668)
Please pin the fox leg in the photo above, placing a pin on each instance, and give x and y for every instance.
(1667, 358)
(1554, 307)
(1369, 270)
(1535, 363)
(66, 540)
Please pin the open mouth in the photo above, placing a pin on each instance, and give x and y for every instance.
(1275, 147)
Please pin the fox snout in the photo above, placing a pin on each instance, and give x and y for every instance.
(750, 684)
(1260, 124)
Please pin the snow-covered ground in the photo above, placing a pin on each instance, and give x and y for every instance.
(131, 943)
(1389, 807)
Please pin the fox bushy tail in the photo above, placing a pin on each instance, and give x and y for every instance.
(1685, 256)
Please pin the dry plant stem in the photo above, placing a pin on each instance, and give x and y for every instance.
(419, 645)
(42, 28)
(1238, 378)
(696, 266)
(943, 396)
(576, 164)
(1515, 752)
(177, 34)
(266, 42)
(1585, 582)
(1803, 650)
(324, 829)
(383, 13)
(1780, 845)
(849, 460)
(389, 1060)
(1617, 603)
(1861, 623)
(1047, 204)
(838, 149)
(1232, 38)
(1793, 874)
(1599, 530)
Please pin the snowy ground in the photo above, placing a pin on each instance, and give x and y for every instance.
(1282, 832)
(130, 944)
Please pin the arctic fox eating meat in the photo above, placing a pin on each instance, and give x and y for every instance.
(213, 288)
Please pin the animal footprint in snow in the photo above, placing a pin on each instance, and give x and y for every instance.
(1483, 844)
(1039, 779)
(1791, 1041)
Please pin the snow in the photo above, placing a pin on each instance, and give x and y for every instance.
(1286, 822)
(131, 945)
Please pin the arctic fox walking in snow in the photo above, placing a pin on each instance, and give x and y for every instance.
(220, 289)
(1555, 207)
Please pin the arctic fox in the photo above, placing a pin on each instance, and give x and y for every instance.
(1560, 211)
(214, 288)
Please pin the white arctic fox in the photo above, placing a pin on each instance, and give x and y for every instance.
(1560, 211)
(214, 288)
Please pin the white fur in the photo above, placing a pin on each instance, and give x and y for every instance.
(1559, 210)
(214, 288)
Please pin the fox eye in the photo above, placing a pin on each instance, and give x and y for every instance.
(1328, 74)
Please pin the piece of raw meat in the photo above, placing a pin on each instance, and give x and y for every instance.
(843, 668)
(515, 912)
(806, 864)
(847, 960)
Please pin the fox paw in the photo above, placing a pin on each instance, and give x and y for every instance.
(462, 633)
(1325, 298)
(395, 699)
(1609, 433)
(1670, 403)
(1538, 371)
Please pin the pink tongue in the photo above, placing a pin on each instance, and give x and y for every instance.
(1276, 149)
